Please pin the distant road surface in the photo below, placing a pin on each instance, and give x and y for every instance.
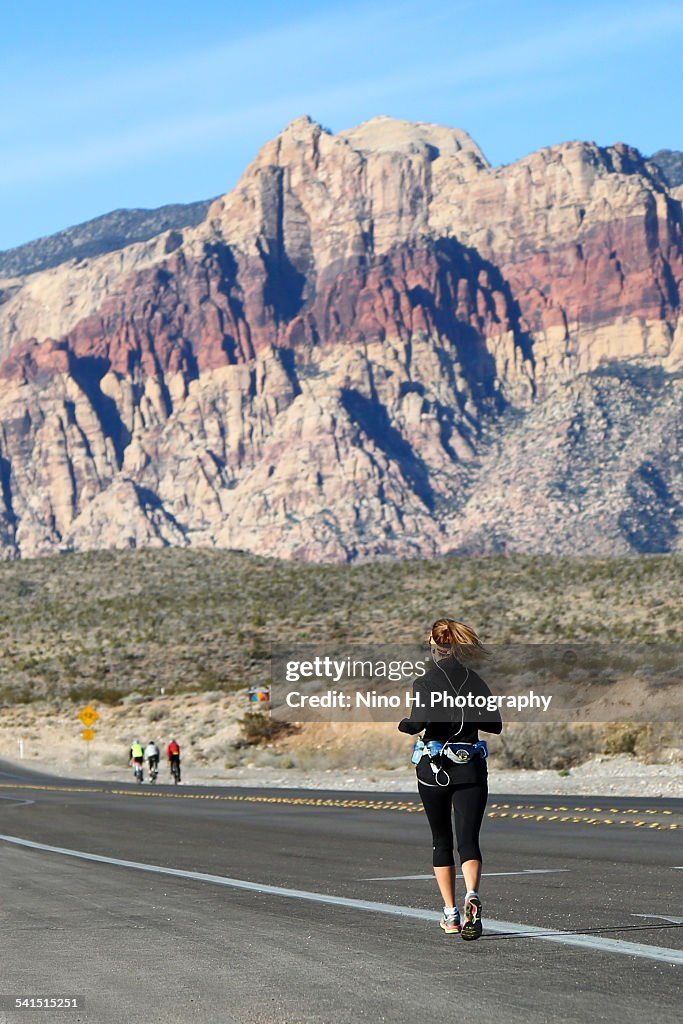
(221, 905)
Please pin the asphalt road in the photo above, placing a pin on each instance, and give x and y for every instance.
(293, 907)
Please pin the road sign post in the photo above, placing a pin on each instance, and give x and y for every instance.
(88, 717)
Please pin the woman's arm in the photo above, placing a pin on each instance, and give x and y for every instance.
(416, 722)
(486, 719)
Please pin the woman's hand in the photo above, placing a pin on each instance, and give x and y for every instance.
(412, 728)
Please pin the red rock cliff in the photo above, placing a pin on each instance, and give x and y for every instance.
(347, 356)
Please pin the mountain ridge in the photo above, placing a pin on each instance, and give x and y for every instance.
(126, 226)
(343, 359)
(99, 235)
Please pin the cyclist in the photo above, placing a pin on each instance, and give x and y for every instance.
(152, 755)
(451, 768)
(173, 755)
(136, 757)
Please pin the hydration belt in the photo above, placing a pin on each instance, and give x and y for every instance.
(460, 753)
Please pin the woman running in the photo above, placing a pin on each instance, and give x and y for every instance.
(451, 766)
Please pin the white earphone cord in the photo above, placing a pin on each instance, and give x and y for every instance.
(436, 783)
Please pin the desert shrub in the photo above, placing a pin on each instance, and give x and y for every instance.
(263, 757)
(621, 738)
(258, 728)
(310, 759)
(565, 746)
(545, 746)
(95, 693)
(654, 743)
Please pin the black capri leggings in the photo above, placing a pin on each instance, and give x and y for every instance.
(467, 802)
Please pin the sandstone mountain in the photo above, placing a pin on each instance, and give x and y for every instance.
(376, 344)
(123, 227)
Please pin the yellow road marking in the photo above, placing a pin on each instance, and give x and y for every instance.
(497, 810)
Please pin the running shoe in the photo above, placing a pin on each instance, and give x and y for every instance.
(451, 922)
(472, 927)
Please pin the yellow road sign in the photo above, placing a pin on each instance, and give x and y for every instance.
(88, 734)
(88, 716)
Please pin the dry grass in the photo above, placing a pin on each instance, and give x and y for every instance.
(99, 625)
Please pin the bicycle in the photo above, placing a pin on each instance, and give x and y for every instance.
(153, 772)
(138, 772)
(175, 770)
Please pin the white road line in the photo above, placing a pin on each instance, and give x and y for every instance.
(485, 874)
(661, 917)
(16, 802)
(595, 942)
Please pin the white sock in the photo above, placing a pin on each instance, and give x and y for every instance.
(450, 911)
(471, 892)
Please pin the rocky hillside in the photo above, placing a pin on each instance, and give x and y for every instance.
(103, 234)
(670, 163)
(376, 344)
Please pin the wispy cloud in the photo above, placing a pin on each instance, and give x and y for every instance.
(568, 44)
(111, 151)
(282, 72)
(238, 61)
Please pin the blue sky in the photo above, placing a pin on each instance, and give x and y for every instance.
(148, 102)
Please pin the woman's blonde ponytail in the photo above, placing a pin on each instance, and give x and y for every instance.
(451, 636)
